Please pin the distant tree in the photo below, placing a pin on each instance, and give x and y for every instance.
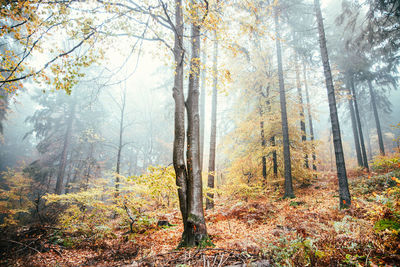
(213, 135)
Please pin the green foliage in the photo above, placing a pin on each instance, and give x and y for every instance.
(389, 224)
(296, 252)
(386, 163)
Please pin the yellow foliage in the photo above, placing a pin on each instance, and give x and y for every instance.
(14, 197)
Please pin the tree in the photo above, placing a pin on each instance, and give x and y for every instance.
(344, 193)
(285, 128)
(213, 136)
(188, 177)
(310, 120)
(376, 116)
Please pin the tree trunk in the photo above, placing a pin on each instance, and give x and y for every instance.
(63, 158)
(272, 143)
(263, 143)
(300, 99)
(179, 128)
(196, 228)
(360, 131)
(213, 136)
(120, 144)
(285, 129)
(354, 127)
(344, 193)
(377, 122)
(367, 135)
(203, 102)
(310, 121)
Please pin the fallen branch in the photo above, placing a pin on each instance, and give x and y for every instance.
(22, 244)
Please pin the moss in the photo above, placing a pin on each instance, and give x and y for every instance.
(296, 203)
(384, 224)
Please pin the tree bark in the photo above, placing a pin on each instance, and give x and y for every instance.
(63, 158)
(301, 113)
(179, 128)
(377, 122)
(344, 193)
(359, 125)
(285, 128)
(213, 136)
(196, 227)
(310, 121)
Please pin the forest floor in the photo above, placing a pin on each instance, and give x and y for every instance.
(268, 231)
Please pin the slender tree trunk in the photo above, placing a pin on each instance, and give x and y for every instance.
(196, 227)
(63, 158)
(120, 142)
(354, 127)
(272, 143)
(179, 133)
(345, 200)
(263, 144)
(71, 166)
(213, 136)
(285, 128)
(203, 102)
(360, 131)
(302, 120)
(367, 135)
(310, 120)
(377, 122)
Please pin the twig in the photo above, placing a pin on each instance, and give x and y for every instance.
(220, 262)
(19, 243)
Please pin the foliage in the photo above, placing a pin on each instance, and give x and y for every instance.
(15, 198)
(386, 163)
(90, 212)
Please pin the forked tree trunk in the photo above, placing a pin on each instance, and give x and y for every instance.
(354, 127)
(310, 121)
(179, 128)
(344, 193)
(301, 113)
(285, 128)
(360, 131)
(196, 227)
(67, 140)
(213, 136)
(376, 116)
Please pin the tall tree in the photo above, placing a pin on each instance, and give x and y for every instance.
(213, 135)
(301, 112)
(188, 175)
(359, 125)
(344, 193)
(66, 145)
(376, 116)
(285, 128)
(196, 226)
(179, 134)
(203, 101)
(122, 107)
(354, 126)
(310, 120)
